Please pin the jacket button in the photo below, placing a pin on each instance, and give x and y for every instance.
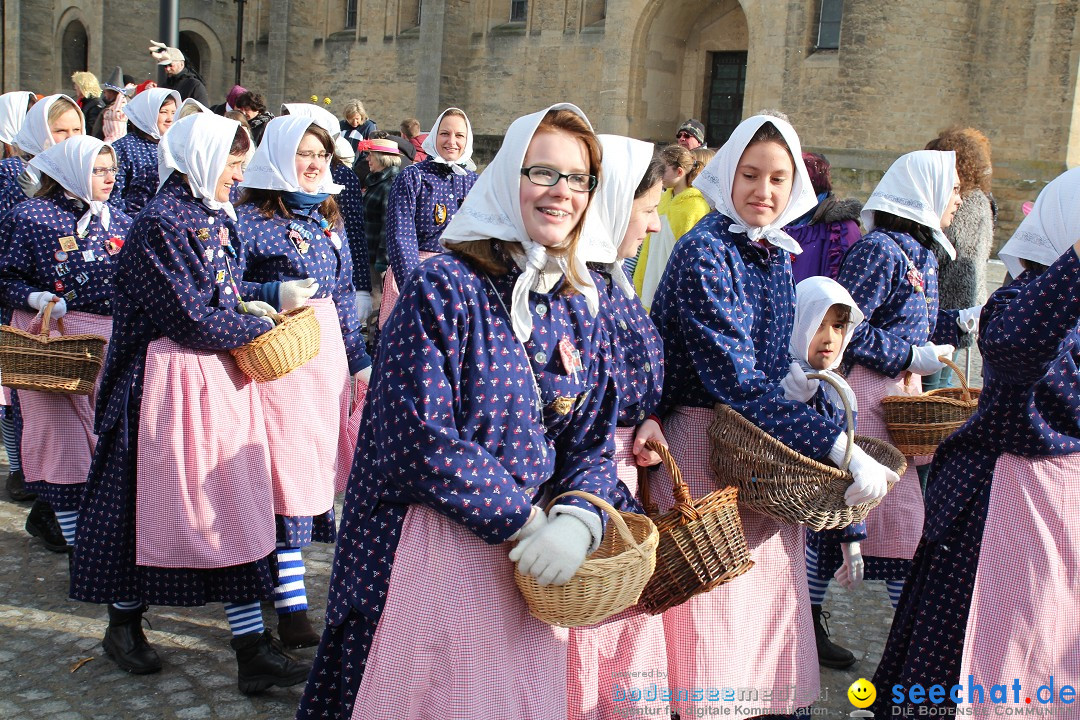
(540, 357)
(541, 310)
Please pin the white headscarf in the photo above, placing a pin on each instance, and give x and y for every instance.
(319, 115)
(274, 165)
(191, 106)
(918, 186)
(144, 108)
(492, 209)
(716, 179)
(12, 112)
(463, 163)
(1051, 228)
(608, 217)
(34, 135)
(198, 146)
(813, 298)
(71, 164)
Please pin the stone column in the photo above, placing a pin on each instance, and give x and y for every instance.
(278, 52)
(429, 68)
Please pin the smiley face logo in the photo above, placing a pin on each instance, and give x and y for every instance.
(862, 693)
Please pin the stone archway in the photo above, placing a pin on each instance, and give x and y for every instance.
(673, 61)
(74, 51)
(203, 50)
(196, 52)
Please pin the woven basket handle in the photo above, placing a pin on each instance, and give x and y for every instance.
(679, 490)
(620, 524)
(960, 374)
(847, 415)
(45, 320)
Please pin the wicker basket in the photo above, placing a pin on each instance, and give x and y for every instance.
(702, 545)
(67, 364)
(918, 423)
(775, 480)
(274, 354)
(609, 581)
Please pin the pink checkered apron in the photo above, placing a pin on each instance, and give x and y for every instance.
(390, 290)
(754, 633)
(1023, 622)
(352, 429)
(204, 497)
(58, 430)
(455, 639)
(624, 654)
(306, 413)
(894, 527)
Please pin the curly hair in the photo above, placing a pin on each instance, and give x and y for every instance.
(972, 150)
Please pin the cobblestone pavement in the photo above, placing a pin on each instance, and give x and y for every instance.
(43, 636)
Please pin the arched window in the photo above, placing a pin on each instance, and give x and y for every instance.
(73, 51)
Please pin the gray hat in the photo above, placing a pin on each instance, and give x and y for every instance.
(115, 81)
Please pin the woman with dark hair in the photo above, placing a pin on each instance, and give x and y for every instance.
(179, 508)
(994, 581)
(423, 200)
(725, 310)
(826, 231)
(294, 254)
(622, 213)
(253, 105)
(424, 618)
(150, 114)
(61, 250)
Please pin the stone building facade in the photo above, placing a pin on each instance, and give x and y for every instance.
(862, 80)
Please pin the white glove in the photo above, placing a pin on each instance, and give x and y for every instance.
(258, 308)
(364, 375)
(38, 301)
(924, 358)
(968, 319)
(293, 293)
(871, 477)
(850, 574)
(555, 552)
(797, 386)
(537, 520)
(363, 305)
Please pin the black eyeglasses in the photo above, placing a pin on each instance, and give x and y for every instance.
(683, 135)
(548, 177)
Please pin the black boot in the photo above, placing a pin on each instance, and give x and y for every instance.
(41, 523)
(295, 630)
(125, 643)
(829, 654)
(261, 662)
(16, 487)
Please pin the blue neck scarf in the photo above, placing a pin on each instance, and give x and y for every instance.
(302, 201)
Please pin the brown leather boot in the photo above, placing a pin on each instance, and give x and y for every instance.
(295, 630)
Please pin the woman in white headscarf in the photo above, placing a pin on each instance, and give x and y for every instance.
(424, 199)
(179, 508)
(294, 255)
(493, 393)
(624, 210)
(725, 309)
(150, 114)
(350, 201)
(13, 109)
(50, 120)
(892, 273)
(62, 247)
(995, 576)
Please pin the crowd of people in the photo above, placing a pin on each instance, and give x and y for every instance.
(489, 341)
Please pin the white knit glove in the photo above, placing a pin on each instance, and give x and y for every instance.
(363, 305)
(924, 358)
(257, 308)
(797, 386)
(968, 319)
(871, 478)
(537, 520)
(38, 301)
(294, 293)
(555, 552)
(850, 574)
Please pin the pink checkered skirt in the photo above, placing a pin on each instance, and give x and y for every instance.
(58, 438)
(352, 428)
(1023, 622)
(306, 413)
(607, 663)
(204, 497)
(390, 290)
(456, 639)
(894, 527)
(755, 632)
